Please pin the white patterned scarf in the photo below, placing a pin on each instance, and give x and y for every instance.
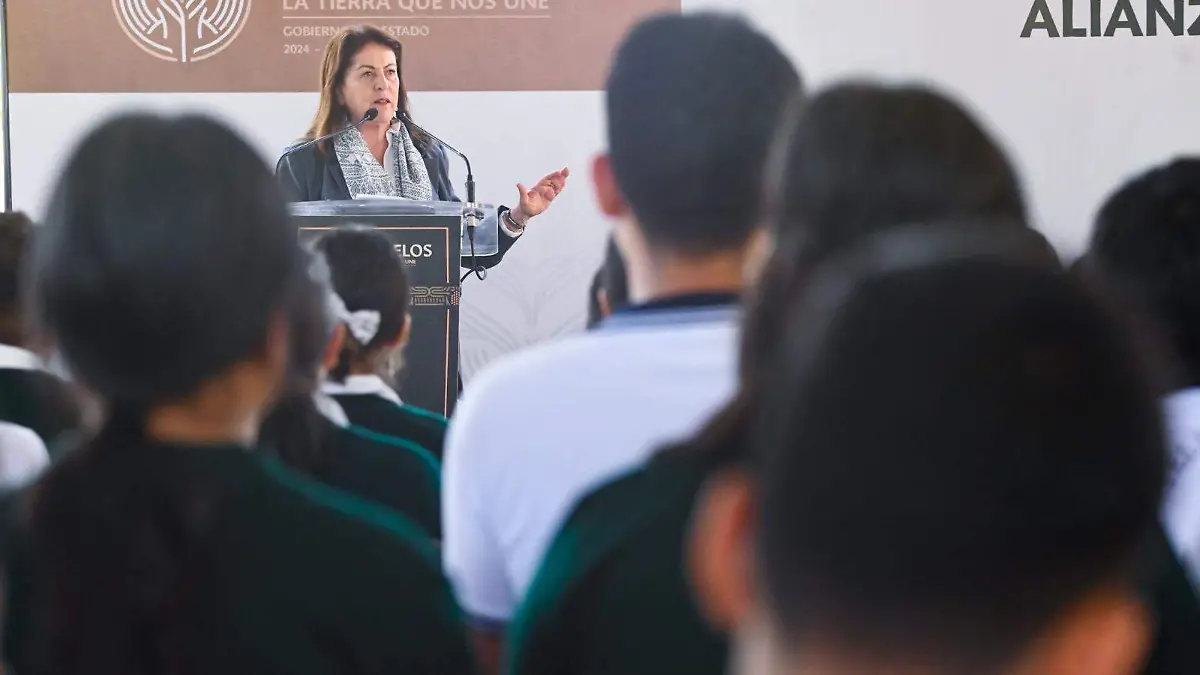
(407, 179)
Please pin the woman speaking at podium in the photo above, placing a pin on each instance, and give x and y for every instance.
(362, 141)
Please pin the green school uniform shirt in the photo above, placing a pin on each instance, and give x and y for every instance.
(1173, 601)
(291, 578)
(402, 421)
(395, 473)
(611, 595)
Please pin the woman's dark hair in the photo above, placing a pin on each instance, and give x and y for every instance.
(295, 430)
(339, 55)
(368, 274)
(861, 157)
(856, 160)
(166, 255)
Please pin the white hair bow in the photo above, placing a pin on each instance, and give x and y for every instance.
(363, 324)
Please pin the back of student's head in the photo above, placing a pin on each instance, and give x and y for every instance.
(861, 157)
(693, 102)
(16, 236)
(956, 455)
(162, 272)
(1147, 241)
(368, 275)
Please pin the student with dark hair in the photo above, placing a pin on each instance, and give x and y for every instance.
(30, 396)
(1146, 242)
(166, 543)
(368, 276)
(613, 583)
(868, 156)
(693, 102)
(610, 286)
(967, 494)
(310, 432)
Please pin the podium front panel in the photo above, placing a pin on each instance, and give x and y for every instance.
(429, 245)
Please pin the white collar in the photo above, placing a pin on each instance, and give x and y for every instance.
(1181, 508)
(1182, 410)
(18, 358)
(358, 385)
(330, 409)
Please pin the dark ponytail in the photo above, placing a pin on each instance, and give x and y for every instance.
(116, 532)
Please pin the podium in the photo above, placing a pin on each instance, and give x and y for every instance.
(430, 238)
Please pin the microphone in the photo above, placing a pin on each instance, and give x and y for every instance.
(470, 176)
(475, 269)
(372, 113)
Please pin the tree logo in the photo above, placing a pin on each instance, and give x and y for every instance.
(182, 30)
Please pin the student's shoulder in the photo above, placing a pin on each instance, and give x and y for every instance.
(332, 521)
(624, 530)
(636, 506)
(382, 448)
(425, 418)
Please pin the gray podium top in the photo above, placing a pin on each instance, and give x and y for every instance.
(486, 231)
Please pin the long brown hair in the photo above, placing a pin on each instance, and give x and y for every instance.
(339, 54)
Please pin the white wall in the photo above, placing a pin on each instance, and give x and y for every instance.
(1077, 114)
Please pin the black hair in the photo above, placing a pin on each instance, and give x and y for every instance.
(16, 238)
(368, 274)
(861, 157)
(295, 430)
(166, 254)
(693, 102)
(856, 160)
(952, 449)
(1146, 241)
(613, 280)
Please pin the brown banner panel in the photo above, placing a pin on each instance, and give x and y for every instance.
(81, 46)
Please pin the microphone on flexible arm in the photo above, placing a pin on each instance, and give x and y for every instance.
(371, 114)
(479, 272)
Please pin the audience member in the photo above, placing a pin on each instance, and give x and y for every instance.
(29, 395)
(165, 543)
(311, 434)
(1146, 243)
(692, 102)
(952, 464)
(610, 288)
(867, 156)
(612, 585)
(368, 275)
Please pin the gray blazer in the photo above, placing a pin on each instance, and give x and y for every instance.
(309, 176)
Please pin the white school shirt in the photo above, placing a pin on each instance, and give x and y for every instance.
(23, 455)
(1181, 508)
(539, 430)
